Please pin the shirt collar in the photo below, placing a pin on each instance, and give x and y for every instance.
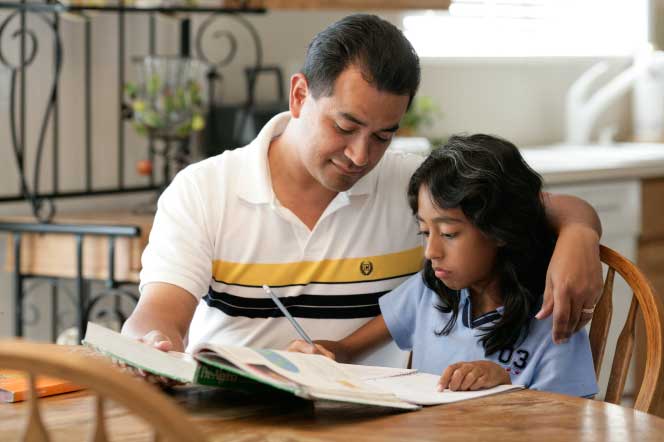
(255, 185)
(467, 312)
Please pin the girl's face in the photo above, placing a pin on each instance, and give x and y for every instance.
(461, 255)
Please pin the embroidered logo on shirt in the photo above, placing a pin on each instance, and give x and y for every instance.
(366, 267)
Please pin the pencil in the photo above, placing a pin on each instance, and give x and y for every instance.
(288, 316)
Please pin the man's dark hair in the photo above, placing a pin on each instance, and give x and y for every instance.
(386, 58)
(487, 178)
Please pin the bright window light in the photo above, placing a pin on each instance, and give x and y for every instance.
(530, 28)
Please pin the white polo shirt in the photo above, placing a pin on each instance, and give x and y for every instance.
(220, 233)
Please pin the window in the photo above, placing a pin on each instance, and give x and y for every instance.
(525, 28)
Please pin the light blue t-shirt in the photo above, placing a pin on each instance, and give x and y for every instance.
(412, 318)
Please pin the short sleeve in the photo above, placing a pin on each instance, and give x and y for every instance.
(566, 368)
(399, 310)
(179, 250)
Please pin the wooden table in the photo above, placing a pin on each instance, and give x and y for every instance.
(511, 417)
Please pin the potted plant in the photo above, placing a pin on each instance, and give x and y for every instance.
(422, 114)
(167, 102)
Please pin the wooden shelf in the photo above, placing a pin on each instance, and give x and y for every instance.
(232, 6)
(54, 255)
(118, 6)
(354, 4)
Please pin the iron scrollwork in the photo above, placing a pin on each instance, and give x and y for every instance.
(220, 62)
(42, 208)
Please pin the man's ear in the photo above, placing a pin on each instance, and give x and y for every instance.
(299, 89)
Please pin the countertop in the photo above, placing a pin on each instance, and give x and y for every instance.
(565, 164)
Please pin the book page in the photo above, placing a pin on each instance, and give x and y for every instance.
(421, 388)
(313, 371)
(308, 376)
(369, 372)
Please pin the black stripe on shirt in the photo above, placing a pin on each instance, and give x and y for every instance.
(302, 306)
(468, 321)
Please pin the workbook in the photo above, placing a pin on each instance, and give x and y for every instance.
(313, 377)
(15, 386)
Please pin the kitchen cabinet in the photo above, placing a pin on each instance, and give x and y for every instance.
(651, 246)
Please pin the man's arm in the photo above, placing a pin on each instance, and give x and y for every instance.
(565, 210)
(574, 277)
(162, 316)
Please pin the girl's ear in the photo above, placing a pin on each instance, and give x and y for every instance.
(299, 89)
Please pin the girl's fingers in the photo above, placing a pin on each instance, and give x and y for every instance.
(464, 376)
(480, 383)
(444, 381)
(469, 379)
(325, 352)
(458, 376)
(300, 346)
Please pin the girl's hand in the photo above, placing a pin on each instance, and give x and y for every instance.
(474, 375)
(300, 346)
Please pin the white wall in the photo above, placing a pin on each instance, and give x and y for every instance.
(520, 100)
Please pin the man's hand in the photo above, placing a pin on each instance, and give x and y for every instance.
(160, 341)
(573, 281)
(475, 375)
(161, 320)
(300, 346)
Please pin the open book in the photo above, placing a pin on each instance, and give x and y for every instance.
(312, 377)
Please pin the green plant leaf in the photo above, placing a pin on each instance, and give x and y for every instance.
(153, 85)
(422, 113)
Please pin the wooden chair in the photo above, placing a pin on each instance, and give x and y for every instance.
(73, 364)
(645, 299)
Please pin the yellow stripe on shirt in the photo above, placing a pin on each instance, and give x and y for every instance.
(328, 271)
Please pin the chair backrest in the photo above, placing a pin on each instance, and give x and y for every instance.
(106, 381)
(644, 299)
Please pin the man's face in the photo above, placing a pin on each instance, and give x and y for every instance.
(344, 136)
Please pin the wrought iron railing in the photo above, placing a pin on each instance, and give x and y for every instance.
(30, 187)
(43, 202)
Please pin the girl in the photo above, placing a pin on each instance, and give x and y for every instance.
(469, 315)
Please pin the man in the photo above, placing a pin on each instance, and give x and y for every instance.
(317, 209)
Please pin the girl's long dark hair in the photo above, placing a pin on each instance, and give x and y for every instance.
(487, 179)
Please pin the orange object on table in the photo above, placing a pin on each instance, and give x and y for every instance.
(14, 386)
